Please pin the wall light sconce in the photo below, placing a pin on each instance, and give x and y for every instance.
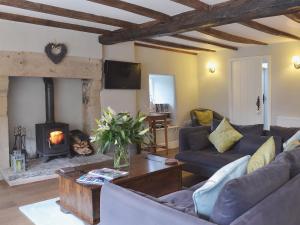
(211, 67)
(296, 61)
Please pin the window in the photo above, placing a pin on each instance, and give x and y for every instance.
(162, 94)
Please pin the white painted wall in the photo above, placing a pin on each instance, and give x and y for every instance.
(119, 100)
(33, 38)
(285, 79)
(184, 69)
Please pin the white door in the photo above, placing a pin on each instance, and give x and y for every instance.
(248, 84)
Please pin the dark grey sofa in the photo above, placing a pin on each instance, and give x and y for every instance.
(202, 158)
(268, 196)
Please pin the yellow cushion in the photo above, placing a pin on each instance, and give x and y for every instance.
(224, 136)
(263, 156)
(204, 117)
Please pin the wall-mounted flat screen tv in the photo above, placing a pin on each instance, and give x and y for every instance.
(122, 75)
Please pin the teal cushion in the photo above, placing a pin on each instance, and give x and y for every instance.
(205, 197)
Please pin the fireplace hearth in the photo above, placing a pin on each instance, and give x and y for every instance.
(52, 138)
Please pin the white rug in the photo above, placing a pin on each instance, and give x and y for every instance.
(48, 213)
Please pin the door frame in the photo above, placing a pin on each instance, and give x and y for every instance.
(266, 58)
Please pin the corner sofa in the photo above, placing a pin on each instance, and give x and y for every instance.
(201, 157)
(268, 196)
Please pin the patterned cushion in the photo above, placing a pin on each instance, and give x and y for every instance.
(224, 136)
(263, 156)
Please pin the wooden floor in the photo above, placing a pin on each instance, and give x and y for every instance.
(11, 198)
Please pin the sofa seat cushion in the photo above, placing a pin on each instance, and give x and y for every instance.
(180, 200)
(241, 194)
(208, 157)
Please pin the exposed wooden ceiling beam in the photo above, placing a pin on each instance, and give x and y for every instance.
(229, 37)
(134, 9)
(53, 10)
(196, 4)
(164, 48)
(269, 30)
(295, 17)
(233, 11)
(175, 45)
(50, 23)
(199, 40)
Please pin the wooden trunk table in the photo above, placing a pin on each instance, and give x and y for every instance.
(147, 174)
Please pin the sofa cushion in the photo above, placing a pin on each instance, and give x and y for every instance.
(292, 158)
(198, 140)
(263, 156)
(206, 196)
(292, 142)
(284, 132)
(256, 129)
(224, 136)
(249, 144)
(241, 194)
(204, 117)
(208, 157)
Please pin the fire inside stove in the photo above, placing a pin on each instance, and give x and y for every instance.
(56, 138)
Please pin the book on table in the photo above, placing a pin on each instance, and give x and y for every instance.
(100, 176)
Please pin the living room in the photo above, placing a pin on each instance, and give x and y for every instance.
(176, 72)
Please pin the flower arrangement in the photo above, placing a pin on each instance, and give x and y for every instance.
(118, 130)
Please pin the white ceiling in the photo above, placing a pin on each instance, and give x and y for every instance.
(168, 7)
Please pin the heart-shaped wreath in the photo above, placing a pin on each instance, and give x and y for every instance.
(56, 52)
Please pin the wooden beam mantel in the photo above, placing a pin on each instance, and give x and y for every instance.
(266, 29)
(232, 11)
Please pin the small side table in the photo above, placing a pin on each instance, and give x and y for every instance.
(154, 119)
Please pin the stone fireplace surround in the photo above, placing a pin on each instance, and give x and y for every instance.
(27, 64)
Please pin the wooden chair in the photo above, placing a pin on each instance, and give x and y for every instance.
(154, 119)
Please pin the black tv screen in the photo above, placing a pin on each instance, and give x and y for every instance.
(122, 75)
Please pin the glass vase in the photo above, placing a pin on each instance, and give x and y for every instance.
(121, 157)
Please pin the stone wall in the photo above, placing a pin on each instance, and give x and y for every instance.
(4, 147)
(26, 64)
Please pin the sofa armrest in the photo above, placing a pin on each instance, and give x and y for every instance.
(119, 206)
(185, 132)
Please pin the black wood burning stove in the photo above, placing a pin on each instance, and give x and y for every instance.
(52, 139)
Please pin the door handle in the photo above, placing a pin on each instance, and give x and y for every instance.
(258, 103)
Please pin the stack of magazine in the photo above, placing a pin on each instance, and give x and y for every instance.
(101, 176)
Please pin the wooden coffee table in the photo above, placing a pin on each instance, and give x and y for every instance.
(147, 174)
